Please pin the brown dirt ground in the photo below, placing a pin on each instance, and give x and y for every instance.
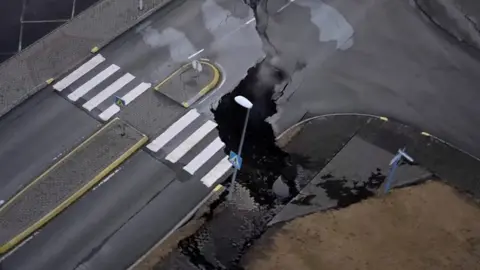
(430, 226)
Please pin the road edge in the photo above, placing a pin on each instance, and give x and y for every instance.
(18, 60)
(75, 196)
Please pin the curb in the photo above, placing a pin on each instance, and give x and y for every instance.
(383, 118)
(183, 221)
(20, 237)
(35, 89)
(210, 86)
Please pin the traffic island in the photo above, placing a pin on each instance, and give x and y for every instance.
(190, 82)
(66, 181)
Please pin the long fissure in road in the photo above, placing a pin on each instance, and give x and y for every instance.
(221, 242)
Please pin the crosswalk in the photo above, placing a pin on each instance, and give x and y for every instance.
(192, 142)
(95, 84)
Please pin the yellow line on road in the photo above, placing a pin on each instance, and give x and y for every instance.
(17, 239)
(182, 68)
(211, 85)
(214, 82)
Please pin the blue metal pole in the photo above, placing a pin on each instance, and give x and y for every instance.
(390, 176)
(234, 176)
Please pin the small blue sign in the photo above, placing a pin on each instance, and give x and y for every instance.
(119, 101)
(236, 160)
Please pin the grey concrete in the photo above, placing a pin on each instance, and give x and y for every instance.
(77, 233)
(355, 163)
(60, 183)
(379, 57)
(35, 135)
(25, 74)
(186, 84)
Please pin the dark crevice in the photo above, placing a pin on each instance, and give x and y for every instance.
(430, 17)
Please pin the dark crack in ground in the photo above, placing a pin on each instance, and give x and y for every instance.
(220, 243)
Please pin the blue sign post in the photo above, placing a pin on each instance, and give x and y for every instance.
(401, 155)
(236, 160)
(119, 101)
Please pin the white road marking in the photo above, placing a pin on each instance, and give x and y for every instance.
(86, 87)
(191, 141)
(136, 92)
(79, 72)
(218, 171)
(204, 156)
(107, 92)
(128, 97)
(285, 6)
(196, 53)
(173, 130)
(251, 20)
(108, 177)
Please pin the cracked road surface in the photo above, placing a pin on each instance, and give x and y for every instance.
(378, 57)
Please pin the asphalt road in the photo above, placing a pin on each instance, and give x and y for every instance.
(115, 223)
(378, 57)
(100, 230)
(34, 135)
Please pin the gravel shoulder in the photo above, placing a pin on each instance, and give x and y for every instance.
(429, 226)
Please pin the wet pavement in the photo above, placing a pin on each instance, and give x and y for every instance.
(22, 22)
(347, 158)
(220, 243)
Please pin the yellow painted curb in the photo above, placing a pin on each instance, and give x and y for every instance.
(218, 188)
(49, 81)
(211, 85)
(94, 49)
(182, 68)
(215, 80)
(383, 118)
(17, 239)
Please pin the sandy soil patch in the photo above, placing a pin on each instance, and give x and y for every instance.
(429, 226)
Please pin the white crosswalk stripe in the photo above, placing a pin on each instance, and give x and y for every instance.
(191, 141)
(86, 87)
(79, 72)
(196, 150)
(96, 83)
(107, 92)
(204, 156)
(173, 130)
(129, 97)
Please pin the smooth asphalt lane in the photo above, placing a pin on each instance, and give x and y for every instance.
(35, 135)
(90, 224)
(378, 57)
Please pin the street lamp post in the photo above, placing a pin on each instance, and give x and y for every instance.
(244, 102)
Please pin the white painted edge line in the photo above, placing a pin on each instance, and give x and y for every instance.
(250, 21)
(196, 53)
(191, 141)
(218, 171)
(86, 87)
(173, 130)
(206, 154)
(128, 97)
(79, 72)
(108, 91)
